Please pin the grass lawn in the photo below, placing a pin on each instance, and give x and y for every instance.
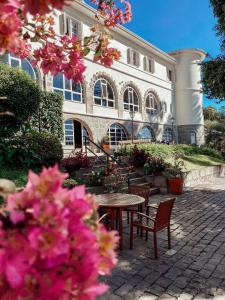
(198, 161)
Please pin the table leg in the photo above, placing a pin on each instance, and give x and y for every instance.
(120, 213)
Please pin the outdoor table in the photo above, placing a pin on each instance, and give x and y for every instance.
(119, 202)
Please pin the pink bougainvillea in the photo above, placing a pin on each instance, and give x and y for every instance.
(25, 21)
(51, 245)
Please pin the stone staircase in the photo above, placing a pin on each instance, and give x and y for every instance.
(133, 177)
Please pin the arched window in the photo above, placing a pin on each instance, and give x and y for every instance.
(167, 135)
(130, 99)
(70, 90)
(69, 132)
(116, 133)
(152, 107)
(146, 133)
(25, 64)
(103, 93)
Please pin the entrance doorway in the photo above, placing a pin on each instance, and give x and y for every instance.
(75, 134)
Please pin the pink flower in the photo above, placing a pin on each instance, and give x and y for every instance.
(17, 216)
(58, 250)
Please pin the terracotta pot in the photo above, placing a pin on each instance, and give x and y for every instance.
(176, 185)
(105, 147)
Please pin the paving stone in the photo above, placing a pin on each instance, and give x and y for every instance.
(185, 296)
(166, 297)
(148, 297)
(124, 289)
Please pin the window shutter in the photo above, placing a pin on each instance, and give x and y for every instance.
(63, 24)
(129, 56)
(145, 63)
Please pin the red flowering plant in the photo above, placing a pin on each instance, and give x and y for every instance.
(25, 21)
(75, 161)
(51, 244)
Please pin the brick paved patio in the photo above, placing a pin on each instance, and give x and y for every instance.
(197, 268)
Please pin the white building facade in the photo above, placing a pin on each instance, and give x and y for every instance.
(163, 90)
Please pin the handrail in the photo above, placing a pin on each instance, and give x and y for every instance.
(108, 156)
(100, 148)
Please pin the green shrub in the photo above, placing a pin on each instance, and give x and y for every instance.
(49, 116)
(14, 153)
(46, 146)
(22, 99)
(31, 149)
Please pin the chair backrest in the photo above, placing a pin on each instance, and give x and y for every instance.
(163, 214)
(140, 191)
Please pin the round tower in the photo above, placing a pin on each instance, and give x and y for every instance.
(188, 95)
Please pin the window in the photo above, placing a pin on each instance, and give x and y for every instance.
(133, 57)
(103, 93)
(116, 133)
(148, 64)
(15, 61)
(170, 75)
(167, 135)
(130, 99)
(146, 133)
(69, 26)
(69, 89)
(69, 132)
(152, 104)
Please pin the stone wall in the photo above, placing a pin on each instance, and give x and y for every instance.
(204, 174)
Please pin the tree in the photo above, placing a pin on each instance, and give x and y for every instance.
(210, 113)
(213, 70)
(24, 21)
(21, 96)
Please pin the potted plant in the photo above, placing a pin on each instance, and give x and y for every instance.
(175, 176)
(105, 143)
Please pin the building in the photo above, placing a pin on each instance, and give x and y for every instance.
(162, 89)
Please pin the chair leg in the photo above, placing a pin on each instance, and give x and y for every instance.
(169, 239)
(117, 217)
(131, 233)
(155, 245)
(128, 217)
(146, 235)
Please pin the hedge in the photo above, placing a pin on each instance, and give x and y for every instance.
(49, 116)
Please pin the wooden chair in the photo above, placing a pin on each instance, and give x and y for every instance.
(108, 219)
(139, 191)
(161, 221)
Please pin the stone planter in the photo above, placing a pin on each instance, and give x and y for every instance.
(161, 182)
(149, 179)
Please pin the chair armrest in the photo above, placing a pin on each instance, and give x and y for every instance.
(152, 206)
(104, 216)
(142, 215)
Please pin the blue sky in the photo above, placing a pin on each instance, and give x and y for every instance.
(176, 24)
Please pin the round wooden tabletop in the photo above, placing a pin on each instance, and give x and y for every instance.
(118, 200)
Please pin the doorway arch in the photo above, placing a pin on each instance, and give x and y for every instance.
(75, 131)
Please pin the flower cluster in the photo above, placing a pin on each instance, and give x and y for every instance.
(25, 21)
(112, 14)
(51, 245)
